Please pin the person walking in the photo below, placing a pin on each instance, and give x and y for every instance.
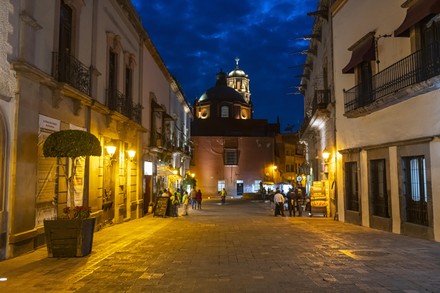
(291, 202)
(279, 203)
(174, 199)
(223, 194)
(185, 201)
(193, 198)
(199, 199)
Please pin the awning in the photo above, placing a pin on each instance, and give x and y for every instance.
(415, 14)
(363, 50)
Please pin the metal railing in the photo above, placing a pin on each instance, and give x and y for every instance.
(417, 67)
(321, 99)
(417, 211)
(117, 101)
(68, 69)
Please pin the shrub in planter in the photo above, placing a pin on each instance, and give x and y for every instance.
(71, 235)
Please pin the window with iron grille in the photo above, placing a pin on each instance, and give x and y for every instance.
(112, 70)
(378, 188)
(351, 186)
(231, 157)
(128, 83)
(414, 189)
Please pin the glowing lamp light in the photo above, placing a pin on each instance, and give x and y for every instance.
(111, 149)
(131, 154)
(193, 175)
(325, 154)
(175, 172)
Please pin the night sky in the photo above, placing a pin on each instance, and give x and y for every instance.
(197, 38)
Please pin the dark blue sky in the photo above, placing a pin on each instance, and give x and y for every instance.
(197, 38)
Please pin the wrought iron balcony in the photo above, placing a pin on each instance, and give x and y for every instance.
(321, 100)
(117, 101)
(155, 139)
(68, 69)
(415, 68)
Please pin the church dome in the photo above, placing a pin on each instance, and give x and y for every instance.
(237, 73)
(222, 92)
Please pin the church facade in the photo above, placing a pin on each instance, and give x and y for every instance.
(231, 149)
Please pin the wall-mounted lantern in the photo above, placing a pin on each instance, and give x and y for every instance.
(111, 149)
(325, 154)
(131, 154)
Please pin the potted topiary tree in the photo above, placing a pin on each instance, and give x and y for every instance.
(72, 234)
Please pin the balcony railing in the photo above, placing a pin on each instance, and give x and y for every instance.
(417, 67)
(68, 69)
(118, 102)
(321, 99)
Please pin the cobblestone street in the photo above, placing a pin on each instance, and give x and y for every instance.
(237, 247)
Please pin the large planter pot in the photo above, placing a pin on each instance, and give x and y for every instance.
(69, 237)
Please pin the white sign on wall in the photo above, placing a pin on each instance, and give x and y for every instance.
(148, 168)
(49, 124)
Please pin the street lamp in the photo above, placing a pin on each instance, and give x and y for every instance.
(111, 149)
(131, 154)
(274, 167)
(325, 154)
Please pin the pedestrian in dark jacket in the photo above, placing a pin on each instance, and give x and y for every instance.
(291, 202)
(199, 199)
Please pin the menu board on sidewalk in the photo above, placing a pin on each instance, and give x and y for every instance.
(161, 206)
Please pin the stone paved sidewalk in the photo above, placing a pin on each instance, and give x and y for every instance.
(238, 247)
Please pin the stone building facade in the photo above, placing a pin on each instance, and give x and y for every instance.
(89, 65)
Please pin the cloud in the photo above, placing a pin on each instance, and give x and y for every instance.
(197, 38)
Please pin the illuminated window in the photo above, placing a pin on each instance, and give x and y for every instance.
(220, 185)
(224, 112)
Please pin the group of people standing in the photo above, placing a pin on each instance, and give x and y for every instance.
(196, 199)
(176, 199)
(293, 198)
